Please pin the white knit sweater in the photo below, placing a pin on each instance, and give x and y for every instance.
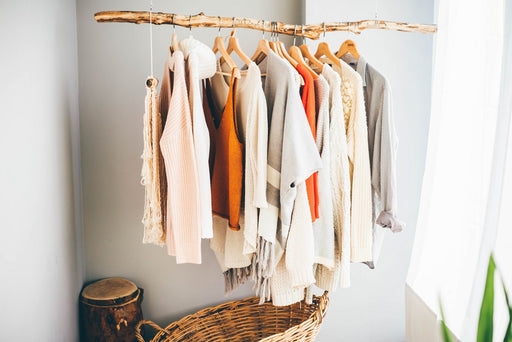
(330, 279)
(323, 227)
(201, 65)
(359, 163)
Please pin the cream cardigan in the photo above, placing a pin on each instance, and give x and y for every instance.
(359, 163)
(330, 279)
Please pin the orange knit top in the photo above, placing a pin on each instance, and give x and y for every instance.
(308, 100)
(227, 176)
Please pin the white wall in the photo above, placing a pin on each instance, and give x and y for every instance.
(373, 309)
(114, 63)
(40, 263)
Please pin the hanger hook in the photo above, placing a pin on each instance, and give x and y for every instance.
(173, 24)
(234, 22)
(190, 22)
(324, 29)
(302, 32)
(220, 25)
(294, 33)
(263, 31)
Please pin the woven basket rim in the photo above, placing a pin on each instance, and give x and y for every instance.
(313, 321)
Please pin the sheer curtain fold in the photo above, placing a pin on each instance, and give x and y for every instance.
(466, 166)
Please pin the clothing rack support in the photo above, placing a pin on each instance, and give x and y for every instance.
(308, 31)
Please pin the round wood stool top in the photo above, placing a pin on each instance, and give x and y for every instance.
(109, 291)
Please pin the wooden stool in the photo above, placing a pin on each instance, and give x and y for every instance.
(110, 309)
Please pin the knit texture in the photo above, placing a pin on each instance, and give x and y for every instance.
(292, 157)
(183, 236)
(359, 163)
(330, 279)
(323, 227)
(200, 62)
(227, 177)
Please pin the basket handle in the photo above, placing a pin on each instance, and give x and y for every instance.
(322, 307)
(152, 324)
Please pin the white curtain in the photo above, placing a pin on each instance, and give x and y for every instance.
(467, 188)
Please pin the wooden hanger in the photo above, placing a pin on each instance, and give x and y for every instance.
(348, 46)
(295, 53)
(323, 50)
(218, 46)
(312, 59)
(304, 49)
(261, 50)
(234, 45)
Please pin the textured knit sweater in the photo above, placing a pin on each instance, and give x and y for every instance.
(292, 158)
(237, 248)
(177, 145)
(323, 227)
(330, 279)
(201, 65)
(359, 163)
(227, 176)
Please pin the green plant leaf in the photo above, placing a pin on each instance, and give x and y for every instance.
(485, 322)
(447, 335)
(508, 334)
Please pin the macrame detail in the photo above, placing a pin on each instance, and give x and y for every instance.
(152, 168)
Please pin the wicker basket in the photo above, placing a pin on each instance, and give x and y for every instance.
(246, 320)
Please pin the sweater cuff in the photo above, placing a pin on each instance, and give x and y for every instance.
(302, 278)
(386, 219)
(360, 254)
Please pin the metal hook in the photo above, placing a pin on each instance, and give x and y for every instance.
(324, 29)
(173, 24)
(303, 36)
(190, 23)
(294, 34)
(263, 31)
(234, 21)
(220, 25)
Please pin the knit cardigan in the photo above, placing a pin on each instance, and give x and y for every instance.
(201, 65)
(359, 163)
(292, 158)
(323, 227)
(330, 279)
(183, 236)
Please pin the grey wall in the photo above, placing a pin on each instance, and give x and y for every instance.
(114, 63)
(373, 308)
(40, 255)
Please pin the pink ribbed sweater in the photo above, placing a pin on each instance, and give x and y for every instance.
(177, 145)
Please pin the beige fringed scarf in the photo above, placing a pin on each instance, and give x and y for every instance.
(152, 170)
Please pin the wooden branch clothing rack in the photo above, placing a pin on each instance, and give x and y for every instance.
(308, 31)
(270, 161)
